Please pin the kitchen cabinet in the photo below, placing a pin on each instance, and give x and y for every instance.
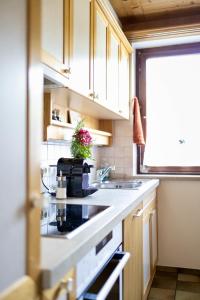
(65, 289)
(55, 35)
(133, 245)
(149, 242)
(113, 69)
(111, 63)
(146, 252)
(80, 49)
(82, 41)
(140, 239)
(124, 79)
(100, 55)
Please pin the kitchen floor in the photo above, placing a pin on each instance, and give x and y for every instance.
(175, 284)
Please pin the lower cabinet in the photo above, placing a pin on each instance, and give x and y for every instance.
(63, 290)
(133, 245)
(24, 289)
(149, 242)
(140, 239)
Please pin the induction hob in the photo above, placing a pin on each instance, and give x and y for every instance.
(65, 220)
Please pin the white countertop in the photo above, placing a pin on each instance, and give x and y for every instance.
(60, 254)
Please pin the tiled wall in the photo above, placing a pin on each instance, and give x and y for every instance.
(121, 154)
(51, 152)
(122, 151)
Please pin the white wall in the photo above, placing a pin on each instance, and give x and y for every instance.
(179, 223)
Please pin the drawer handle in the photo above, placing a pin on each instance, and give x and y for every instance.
(91, 95)
(104, 291)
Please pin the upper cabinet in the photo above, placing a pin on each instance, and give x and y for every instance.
(124, 79)
(82, 41)
(55, 35)
(111, 64)
(80, 49)
(100, 55)
(113, 69)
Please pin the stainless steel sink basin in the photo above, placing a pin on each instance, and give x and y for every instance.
(133, 185)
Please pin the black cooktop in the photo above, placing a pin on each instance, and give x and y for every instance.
(64, 218)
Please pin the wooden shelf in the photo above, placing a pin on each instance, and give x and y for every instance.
(58, 130)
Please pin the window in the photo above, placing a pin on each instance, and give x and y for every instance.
(168, 87)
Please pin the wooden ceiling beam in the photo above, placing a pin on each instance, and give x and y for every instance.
(166, 25)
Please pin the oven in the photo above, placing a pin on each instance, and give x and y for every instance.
(99, 274)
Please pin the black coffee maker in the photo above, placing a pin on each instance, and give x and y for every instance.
(77, 175)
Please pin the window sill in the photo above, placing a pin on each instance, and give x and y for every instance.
(168, 177)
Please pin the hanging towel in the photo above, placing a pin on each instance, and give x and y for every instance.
(138, 136)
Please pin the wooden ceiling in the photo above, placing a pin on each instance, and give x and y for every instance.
(144, 15)
(145, 8)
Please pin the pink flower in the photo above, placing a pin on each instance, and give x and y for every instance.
(84, 137)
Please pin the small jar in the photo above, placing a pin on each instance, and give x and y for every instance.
(61, 191)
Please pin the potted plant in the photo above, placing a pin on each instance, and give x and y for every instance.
(81, 146)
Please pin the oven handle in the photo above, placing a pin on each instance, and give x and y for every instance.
(111, 280)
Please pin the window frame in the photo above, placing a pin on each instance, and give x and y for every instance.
(141, 56)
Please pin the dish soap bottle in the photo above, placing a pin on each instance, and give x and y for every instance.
(61, 192)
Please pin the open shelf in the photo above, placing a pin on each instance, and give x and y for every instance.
(59, 130)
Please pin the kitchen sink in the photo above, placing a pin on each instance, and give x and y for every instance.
(126, 185)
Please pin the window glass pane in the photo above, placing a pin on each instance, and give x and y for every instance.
(173, 111)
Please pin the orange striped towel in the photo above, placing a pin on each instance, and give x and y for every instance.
(138, 136)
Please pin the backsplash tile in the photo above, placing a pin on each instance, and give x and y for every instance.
(121, 154)
(122, 151)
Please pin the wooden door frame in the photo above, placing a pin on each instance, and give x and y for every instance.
(34, 138)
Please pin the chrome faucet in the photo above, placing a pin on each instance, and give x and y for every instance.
(101, 173)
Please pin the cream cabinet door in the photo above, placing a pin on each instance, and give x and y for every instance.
(154, 241)
(113, 70)
(146, 253)
(55, 35)
(80, 54)
(100, 56)
(133, 245)
(149, 241)
(124, 82)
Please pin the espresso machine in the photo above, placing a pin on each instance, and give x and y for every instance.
(77, 176)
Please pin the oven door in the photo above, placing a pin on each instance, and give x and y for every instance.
(108, 283)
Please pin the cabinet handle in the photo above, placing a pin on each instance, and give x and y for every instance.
(67, 70)
(138, 213)
(66, 285)
(38, 201)
(120, 111)
(96, 96)
(92, 95)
